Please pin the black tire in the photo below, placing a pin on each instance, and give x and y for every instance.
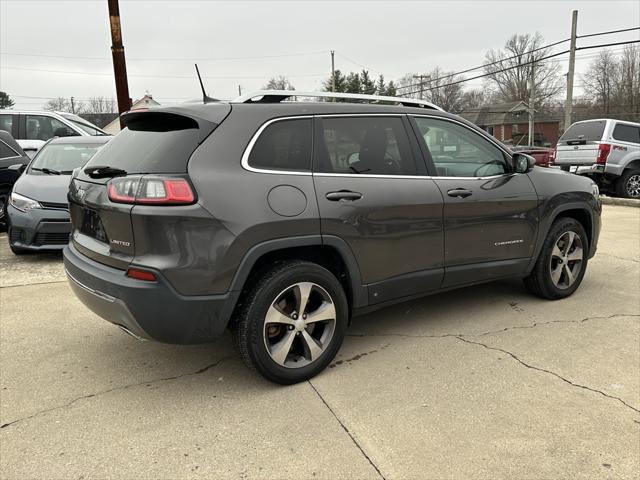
(540, 281)
(4, 198)
(627, 185)
(250, 333)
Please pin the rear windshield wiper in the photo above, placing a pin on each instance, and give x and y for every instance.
(48, 171)
(104, 172)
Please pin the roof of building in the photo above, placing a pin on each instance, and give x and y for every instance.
(99, 119)
(507, 114)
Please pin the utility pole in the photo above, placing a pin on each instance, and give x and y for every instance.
(531, 110)
(333, 72)
(239, 90)
(73, 106)
(568, 105)
(419, 77)
(119, 64)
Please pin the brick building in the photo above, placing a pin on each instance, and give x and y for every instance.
(509, 123)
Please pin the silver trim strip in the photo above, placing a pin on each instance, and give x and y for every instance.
(284, 94)
(104, 296)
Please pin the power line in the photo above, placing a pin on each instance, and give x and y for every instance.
(609, 32)
(545, 47)
(518, 66)
(223, 77)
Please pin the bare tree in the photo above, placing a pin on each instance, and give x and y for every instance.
(473, 99)
(100, 105)
(602, 79)
(59, 104)
(629, 90)
(437, 86)
(279, 83)
(509, 70)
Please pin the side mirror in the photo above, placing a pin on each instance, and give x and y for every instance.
(19, 167)
(523, 163)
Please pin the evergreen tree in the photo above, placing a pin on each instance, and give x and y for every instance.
(367, 86)
(391, 89)
(5, 101)
(354, 84)
(340, 81)
(381, 88)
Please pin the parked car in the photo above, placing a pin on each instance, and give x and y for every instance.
(13, 161)
(281, 220)
(32, 128)
(543, 155)
(609, 152)
(37, 209)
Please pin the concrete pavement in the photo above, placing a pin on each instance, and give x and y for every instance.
(487, 382)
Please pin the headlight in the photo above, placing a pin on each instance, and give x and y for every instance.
(22, 203)
(595, 191)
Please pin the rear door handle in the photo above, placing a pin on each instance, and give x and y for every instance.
(343, 195)
(460, 192)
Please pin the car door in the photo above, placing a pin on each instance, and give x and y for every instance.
(490, 213)
(373, 193)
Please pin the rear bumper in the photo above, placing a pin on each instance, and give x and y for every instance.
(148, 310)
(38, 229)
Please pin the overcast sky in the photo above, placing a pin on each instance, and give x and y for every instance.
(52, 48)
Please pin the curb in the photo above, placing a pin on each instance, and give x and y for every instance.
(627, 202)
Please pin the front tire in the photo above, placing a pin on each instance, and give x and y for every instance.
(562, 262)
(628, 185)
(291, 322)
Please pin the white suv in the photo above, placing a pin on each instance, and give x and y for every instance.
(611, 150)
(32, 128)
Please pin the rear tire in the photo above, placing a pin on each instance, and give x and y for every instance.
(4, 199)
(562, 262)
(283, 344)
(628, 185)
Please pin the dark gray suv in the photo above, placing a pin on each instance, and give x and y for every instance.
(280, 220)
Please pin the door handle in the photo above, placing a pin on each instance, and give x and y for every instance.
(343, 195)
(460, 192)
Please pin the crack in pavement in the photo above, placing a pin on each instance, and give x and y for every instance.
(549, 372)
(123, 387)
(492, 332)
(344, 427)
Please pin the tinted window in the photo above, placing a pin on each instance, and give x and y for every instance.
(626, 133)
(588, 131)
(6, 122)
(64, 157)
(364, 145)
(283, 145)
(153, 142)
(42, 127)
(6, 151)
(457, 151)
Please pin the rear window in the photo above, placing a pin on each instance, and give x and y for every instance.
(587, 131)
(6, 151)
(152, 143)
(283, 145)
(626, 133)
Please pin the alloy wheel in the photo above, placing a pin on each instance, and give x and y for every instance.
(633, 186)
(566, 260)
(299, 325)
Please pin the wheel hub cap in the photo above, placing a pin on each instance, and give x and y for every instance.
(566, 260)
(305, 319)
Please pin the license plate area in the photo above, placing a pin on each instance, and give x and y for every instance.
(92, 226)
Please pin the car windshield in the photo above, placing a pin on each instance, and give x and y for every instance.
(64, 158)
(88, 127)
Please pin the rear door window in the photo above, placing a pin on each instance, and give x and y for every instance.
(6, 123)
(284, 145)
(6, 151)
(583, 132)
(364, 146)
(43, 127)
(626, 133)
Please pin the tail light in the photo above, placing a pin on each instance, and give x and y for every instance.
(603, 153)
(151, 191)
(552, 155)
(140, 274)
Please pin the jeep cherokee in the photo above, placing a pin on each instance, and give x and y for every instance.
(281, 220)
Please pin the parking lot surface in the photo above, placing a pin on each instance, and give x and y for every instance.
(487, 382)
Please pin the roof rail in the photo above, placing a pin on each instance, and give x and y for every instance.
(276, 96)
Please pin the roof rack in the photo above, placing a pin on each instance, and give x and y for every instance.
(276, 96)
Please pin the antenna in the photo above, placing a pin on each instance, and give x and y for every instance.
(205, 97)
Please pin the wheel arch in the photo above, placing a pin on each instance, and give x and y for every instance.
(580, 212)
(328, 251)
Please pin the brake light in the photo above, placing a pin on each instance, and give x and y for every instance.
(139, 274)
(552, 155)
(153, 191)
(603, 153)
